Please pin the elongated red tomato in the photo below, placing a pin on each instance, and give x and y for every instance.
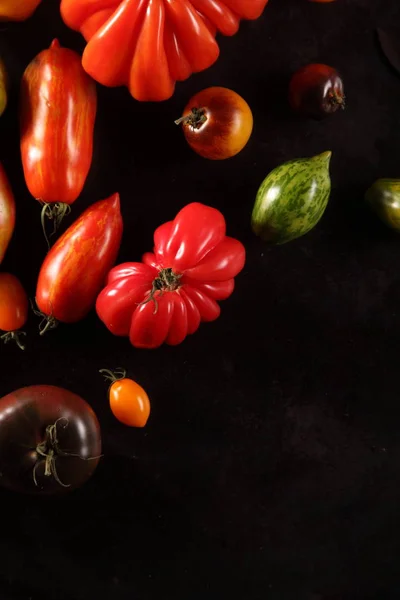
(57, 117)
(178, 285)
(76, 267)
(7, 213)
(148, 45)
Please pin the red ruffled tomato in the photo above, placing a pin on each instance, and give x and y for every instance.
(217, 123)
(164, 298)
(148, 45)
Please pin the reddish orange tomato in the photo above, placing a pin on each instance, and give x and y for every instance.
(217, 123)
(7, 213)
(57, 117)
(17, 10)
(13, 308)
(129, 402)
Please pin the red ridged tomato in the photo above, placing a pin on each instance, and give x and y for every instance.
(148, 45)
(165, 298)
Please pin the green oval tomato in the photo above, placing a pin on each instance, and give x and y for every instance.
(384, 199)
(292, 199)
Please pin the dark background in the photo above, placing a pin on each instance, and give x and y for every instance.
(270, 466)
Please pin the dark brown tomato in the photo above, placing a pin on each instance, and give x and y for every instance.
(217, 123)
(50, 440)
(316, 91)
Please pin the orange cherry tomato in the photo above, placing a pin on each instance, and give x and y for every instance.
(217, 123)
(13, 308)
(129, 402)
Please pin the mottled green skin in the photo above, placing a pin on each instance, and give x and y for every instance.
(384, 199)
(292, 199)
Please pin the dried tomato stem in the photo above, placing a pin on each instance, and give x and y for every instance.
(337, 99)
(47, 323)
(166, 281)
(49, 450)
(14, 335)
(54, 212)
(113, 376)
(196, 118)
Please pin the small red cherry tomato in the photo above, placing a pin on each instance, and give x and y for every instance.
(13, 308)
(129, 402)
(217, 123)
(316, 91)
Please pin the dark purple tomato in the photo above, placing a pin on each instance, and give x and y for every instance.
(316, 91)
(50, 440)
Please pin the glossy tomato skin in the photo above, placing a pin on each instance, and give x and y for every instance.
(58, 108)
(17, 10)
(316, 91)
(129, 403)
(76, 267)
(217, 123)
(176, 287)
(14, 304)
(7, 213)
(159, 41)
(24, 416)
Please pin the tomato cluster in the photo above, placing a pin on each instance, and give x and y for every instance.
(193, 264)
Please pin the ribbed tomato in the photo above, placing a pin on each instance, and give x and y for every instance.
(164, 298)
(76, 267)
(57, 116)
(148, 45)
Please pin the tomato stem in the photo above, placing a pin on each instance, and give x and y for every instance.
(113, 376)
(13, 335)
(54, 212)
(49, 449)
(196, 118)
(47, 323)
(337, 99)
(166, 281)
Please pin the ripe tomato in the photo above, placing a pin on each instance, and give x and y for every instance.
(217, 123)
(75, 268)
(7, 213)
(316, 91)
(158, 42)
(17, 10)
(14, 307)
(50, 440)
(166, 297)
(129, 402)
(58, 111)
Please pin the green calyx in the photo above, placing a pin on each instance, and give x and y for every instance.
(292, 199)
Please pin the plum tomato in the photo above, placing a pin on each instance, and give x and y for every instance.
(217, 123)
(316, 91)
(129, 402)
(13, 308)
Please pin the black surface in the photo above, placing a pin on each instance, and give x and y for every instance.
(270, 466)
